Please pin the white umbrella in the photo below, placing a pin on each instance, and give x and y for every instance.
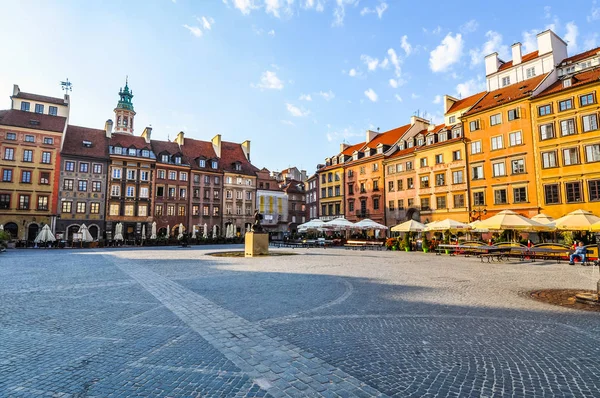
(180, 231)
(205, 232)
(447, 225)
(227, 231)
(119, 231)
(153, 236)
(339, 223)
(367, 223)
(578, 220)
(45, 235)
(476, 228)
(508, 219)
(143, 231)
(409, 226)
(194, 233)
(1, 227)
(85, 234)
(214, 231)
(312, 224)
(168, 231)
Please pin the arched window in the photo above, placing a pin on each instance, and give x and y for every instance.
(12, 229)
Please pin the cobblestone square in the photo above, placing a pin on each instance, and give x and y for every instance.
(178, 323)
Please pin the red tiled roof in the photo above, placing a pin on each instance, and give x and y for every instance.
(389, 137)
(436, 129)
(402, 152)
(30, 120)
(41, 98)
(581, 56)
(193, 149)
(73, 144)
(580, 79)
(231, 153)
(348, 151)
(466, 102)
(292, 187)
(171, 148)
(451, 140)
(507, 94)
(127, 141)
(524, 58)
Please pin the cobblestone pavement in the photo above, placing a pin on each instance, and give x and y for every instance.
(177, 323)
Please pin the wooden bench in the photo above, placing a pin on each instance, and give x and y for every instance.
(362, 245)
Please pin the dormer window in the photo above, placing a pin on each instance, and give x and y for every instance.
(420, 141)
(402, 145)
(355, 156)
(409, 144)
(457, 133)
(177, 159)
(145, 153)
(118, 150)
(452, 119)
(132, 151)
(567, 83)
(238, 166)
(442, 136)
(380, 149)
(164, 158)
(431, 139)
(202, 163)
(367, 152)
(214, 164)
(87, 144)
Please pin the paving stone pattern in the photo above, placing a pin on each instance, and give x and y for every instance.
(177, 323)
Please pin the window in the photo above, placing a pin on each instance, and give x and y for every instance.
(440, 202)
(84, 167)
(115, 190)
(409, 166)
(497, 143)
(165, 159)
(459, 201)
(495, 119)
(39, 108)
(440, 180)
(68, 185)
(27, 155)
(144, 175)
(158, 210)
(391, 186)
(116, 172)
(505, 81)
(567, 127)
(515, 138)
(145, 153)
(391, 205)
(399, 185)
(172, 175)
(160, 174)
(592, 153)
(217, 180)
(66, 207)
(350, 190)
(238, 166)
(29, 138)
(400, 204)
(171, 193)
(182, 193)
(456, 155)
(11, 136)
(97, 168)
(520, 195)
(500, 197)
(26, 177)
(181, 210)
(205, 210)
(114, 209)
(52, 110)
(590, 122)
(361, 170)
(545, 110)
(42, 203)
(530, 72)
(475, 147)
(452, 119)
(425, 182)
(410, 202)
(375, 203)
(518, 166)
(375, 186)
(131, 174)
(96, 186)
(7, 175)
(160, 191)
(44, 178)
(25, 106)
(439, 159)
(118, 150)
(477, 172)
(549, 159)
(183, 176)
(499, 169)
(474, 125)
(587, 99)
(177, 159)
(80, 207)
(570, 156)
(131, 152)
(82, 185)
(216, 211)
(214, 164)
(565, 105)
(9, 154)
(144, 192)
(23, 202)
(425, 204)
(95, 208)
(130, 191)
(375, 168)
(552, 194)
(423, 162)
(546, 131)
(457, 177)
(410, 183)
(573, 191)
(594, 190)
(215, 194)
(129, 210)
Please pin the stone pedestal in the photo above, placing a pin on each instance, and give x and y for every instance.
(257, 244)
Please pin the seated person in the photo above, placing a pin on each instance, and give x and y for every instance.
(580, 251)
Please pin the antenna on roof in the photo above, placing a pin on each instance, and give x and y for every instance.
(169, 137)
(66, 85)
(378, 129)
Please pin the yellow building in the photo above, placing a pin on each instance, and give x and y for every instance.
(331, 183)
(567, 144)
(500, 151)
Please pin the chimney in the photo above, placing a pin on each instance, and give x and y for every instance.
(492, 63)
(370, 135)
(544, 42)
(180, 138)
(147, 134)
(516, 53)
(448, 102)
(16, 89)
(216, 141)
(246, 149)
(431, 127)
(344, 146)
(108, 126)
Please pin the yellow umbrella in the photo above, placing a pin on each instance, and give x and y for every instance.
(508, 219)
(476, 228)
(578, 220)
(447, 225)
(595, 227)
(409, 226)
(544, 219)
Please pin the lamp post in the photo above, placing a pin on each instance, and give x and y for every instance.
(477, 213)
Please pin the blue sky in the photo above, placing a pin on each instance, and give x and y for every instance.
(296, 77)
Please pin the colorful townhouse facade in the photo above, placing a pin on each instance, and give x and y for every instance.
(331, 184)
(312, 196)
(272, 203)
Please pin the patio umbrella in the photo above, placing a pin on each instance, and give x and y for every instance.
(367, 223)
(118, 231)
(339, 223)
(409, 226)
(312, 224)
(143, 231)
(475, 227)
(544, 219)
(194, 232)
(205, 232)
(1, 227)
(85, 234)
(508, 219)
(447, 225)
(45, 235)
(578, 220)
(214, 231)
(153, 236)
(180, 235)
(168, 231)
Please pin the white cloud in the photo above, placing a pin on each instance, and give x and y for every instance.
(206, 22)
(288, 122)
(354, 72)
(470, 87)
(196, 31)
(571, 36)
(245, 6)
(271, 32)
(295, 111)
(398, 98)
(415, 96)
(379, 10)
(530, 41)
(435, 31)
(437, 99)
(327, 95)
(547, 12)
(406, 45)
(393, 83)
(371, 63)
(493, 44)
(305, 97)
(269, 81)
(339, 12)
(594, 14)
(316, 4)
(395, 61)
(272, 7)
(469, 27)
(591, 42)
(447, 53)
(371, 95)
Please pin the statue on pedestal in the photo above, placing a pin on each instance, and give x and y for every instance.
(257, 218)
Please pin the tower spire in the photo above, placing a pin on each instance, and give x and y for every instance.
(124, 112)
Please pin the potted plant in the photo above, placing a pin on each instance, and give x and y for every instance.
(425, 243)
(406, 242)
(447, 240)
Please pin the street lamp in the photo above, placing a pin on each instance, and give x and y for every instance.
(477, 213)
